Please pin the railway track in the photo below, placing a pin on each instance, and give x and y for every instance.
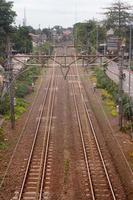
(100, 185)
(32, 113)
(34, 177)
(40, 177)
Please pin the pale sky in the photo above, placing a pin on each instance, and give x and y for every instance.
(48, 13)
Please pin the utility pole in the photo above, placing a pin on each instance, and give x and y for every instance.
(97, 39)
(11, 84)
(130, 58)
(129, 78)
(40, 43)
(121, 62)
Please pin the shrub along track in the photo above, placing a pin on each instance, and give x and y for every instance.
(109, 134)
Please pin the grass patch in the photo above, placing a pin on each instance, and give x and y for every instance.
(20, 108)
(131, 155)
(66, 170)
(104, 82)
(3, 144)
(93, 78)
(109, 103)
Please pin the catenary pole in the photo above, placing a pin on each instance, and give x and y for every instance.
(130, 57)
(11, 83)
(121, 62)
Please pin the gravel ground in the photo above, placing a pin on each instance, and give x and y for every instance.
(67, 180)
(118, 143)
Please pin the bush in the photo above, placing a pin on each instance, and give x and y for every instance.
(22, 90)
(114, 113)
(25, 81)
(3, 145)
(23, 87)
(46, 48)
(19, 110)
(104, 82)
(5, 105)
(109, 102)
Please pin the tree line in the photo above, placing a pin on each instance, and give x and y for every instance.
(21, 41)
(118, 16)
(19, 36)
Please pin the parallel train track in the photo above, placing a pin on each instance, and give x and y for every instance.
(99, 178)
(34, 177)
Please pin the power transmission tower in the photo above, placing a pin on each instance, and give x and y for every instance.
(11, 83)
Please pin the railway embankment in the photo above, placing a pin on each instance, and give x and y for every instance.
(119, 143)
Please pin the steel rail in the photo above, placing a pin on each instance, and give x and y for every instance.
(46, 141)
(21, 134)
(32, 148)
(46, 146)
(83, 145)
(95, 138)
(34, 141)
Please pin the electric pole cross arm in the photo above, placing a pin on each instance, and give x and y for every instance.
(64, 67)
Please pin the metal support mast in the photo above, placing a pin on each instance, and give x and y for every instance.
(121, 87)
(121, 61)
(97, 39)
(11, 84)
(130, 58)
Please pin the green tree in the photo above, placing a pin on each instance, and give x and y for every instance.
(31, 29)
(7, 16)
(58, 29)
(48, 33)
(22, 40)
(45, 48)
(85, 34)
(118, 16)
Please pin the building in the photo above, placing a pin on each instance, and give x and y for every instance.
(38, 40)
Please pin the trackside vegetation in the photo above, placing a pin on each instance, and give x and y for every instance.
(104, 82)
(23, 87)
(24, 83)
(46, 48)
(3, 144)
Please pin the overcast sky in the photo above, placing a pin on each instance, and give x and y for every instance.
(62, 12)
